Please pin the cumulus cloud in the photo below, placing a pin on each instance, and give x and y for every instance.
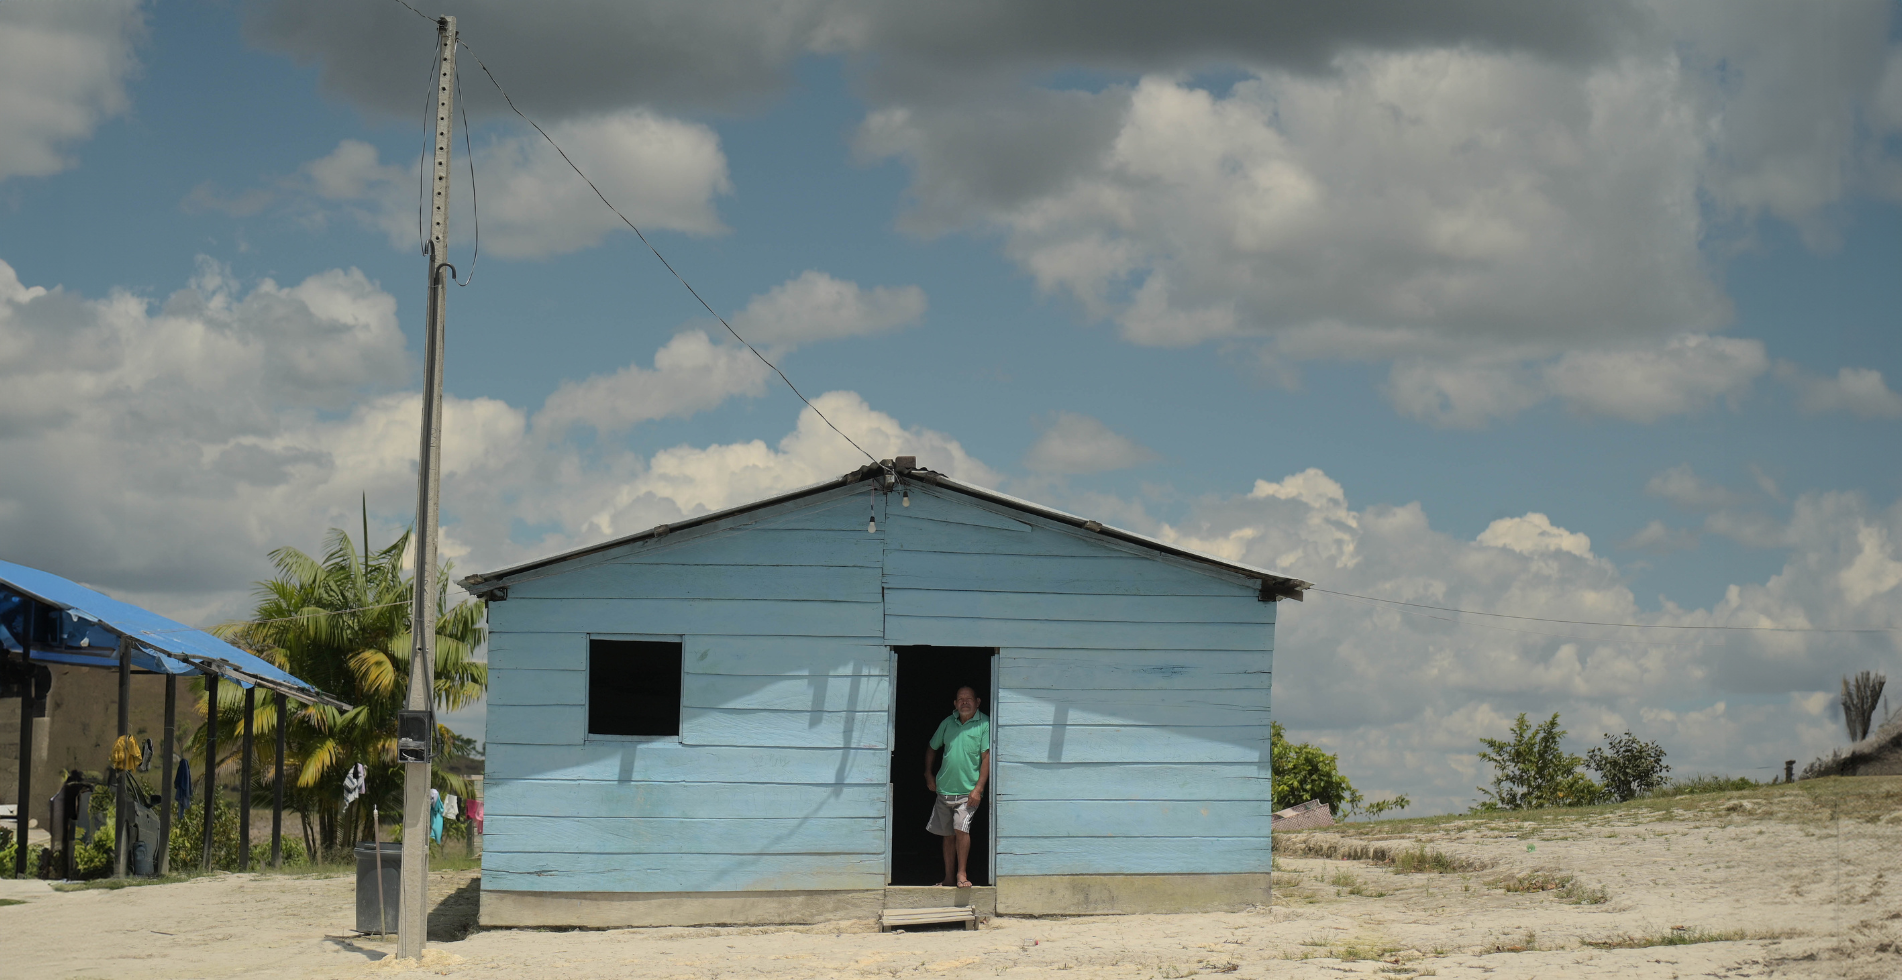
(1644, 385)
(662, 173)
(63, 70)
(572, 57)
(690, 374)
(234, 418)
(1636, 383)
(1406, 693)
(814, 306)
(1855, 391)
(1076, 443)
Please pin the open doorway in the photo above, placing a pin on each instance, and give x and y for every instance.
(927, 679)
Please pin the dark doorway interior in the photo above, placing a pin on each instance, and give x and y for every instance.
(928, 678)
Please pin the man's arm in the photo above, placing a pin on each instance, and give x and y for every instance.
(931, 769)
(983, 777)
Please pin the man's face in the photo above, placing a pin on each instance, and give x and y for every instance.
(965, 703)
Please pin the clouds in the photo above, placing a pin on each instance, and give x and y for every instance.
(235, 418)
(1509, 206)
(814, 306)
(1076, 443)
(690, 374)
(1635, 383)
(569, 57)
(1854, 391)
(63, 70)
(662, 173)
(1405, 693)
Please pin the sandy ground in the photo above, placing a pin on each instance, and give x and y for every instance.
(1785, 881)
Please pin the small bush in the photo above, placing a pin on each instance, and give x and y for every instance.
(1578, 893)
(1535, 881)
(1423, 861)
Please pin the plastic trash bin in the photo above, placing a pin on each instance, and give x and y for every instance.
(368, 918)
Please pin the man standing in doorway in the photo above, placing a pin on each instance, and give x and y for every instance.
(965, 739)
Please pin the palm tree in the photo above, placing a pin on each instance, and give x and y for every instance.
(343, 624)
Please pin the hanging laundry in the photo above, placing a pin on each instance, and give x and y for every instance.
(182, 786)
(354, 783)
(145, 755)
(473, 808)
(125, 753)
(449, 807)
(435, 815)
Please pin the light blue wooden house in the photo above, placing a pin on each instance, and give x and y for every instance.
(724, 720)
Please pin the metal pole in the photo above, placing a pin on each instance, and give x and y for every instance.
(412, 915)
(167, 772)
(122, 821)
(211, 759)
(376, 841)
(31, 609)
(244, 780)
(277, 787)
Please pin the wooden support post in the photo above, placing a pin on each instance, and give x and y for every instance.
(277, 785)
(30, 609)
(167, 770)
(121, 795)
(211, 761)
(244, 776)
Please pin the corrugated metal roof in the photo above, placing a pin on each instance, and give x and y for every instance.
(1273, 585)
(160, 645)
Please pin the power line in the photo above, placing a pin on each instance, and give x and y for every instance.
(1587, 622)
(663, 259)
(632, 227)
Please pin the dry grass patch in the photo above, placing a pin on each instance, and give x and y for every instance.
(1677, 936)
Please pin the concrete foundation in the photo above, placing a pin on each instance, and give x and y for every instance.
(608, 910)
(1129, 894)
(1040, 895)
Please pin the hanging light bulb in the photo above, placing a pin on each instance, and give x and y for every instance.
(905, 500)
(871, 521)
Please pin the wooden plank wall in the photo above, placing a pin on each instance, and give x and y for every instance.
(1132, 716)
(778, 778)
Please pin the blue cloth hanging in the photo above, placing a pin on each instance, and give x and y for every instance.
(182, 787)
(435, 815)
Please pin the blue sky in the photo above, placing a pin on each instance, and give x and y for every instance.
(1590, 315)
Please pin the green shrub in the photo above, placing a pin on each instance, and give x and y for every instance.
(1628, 766)
(1704, 784)
(1532, 770)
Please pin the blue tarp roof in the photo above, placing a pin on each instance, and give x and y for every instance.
(89, 621)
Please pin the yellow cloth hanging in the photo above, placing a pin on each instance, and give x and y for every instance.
(125, 754)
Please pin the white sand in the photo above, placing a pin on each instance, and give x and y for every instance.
(1803, 893)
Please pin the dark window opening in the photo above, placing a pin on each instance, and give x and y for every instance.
(927, 683)
(633, 687)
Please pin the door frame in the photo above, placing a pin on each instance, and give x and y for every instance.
(891, 738)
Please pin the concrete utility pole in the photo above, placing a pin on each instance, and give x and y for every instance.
(412, 921)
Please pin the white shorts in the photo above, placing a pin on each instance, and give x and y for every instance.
(949, 813)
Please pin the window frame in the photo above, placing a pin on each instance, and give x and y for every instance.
(588, 699)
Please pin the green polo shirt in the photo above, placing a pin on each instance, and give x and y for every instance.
(964, 744)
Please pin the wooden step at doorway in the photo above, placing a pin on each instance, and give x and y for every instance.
(902, 918)
(981, 898)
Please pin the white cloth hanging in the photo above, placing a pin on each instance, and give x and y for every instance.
(354, 783)
(449, 807)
